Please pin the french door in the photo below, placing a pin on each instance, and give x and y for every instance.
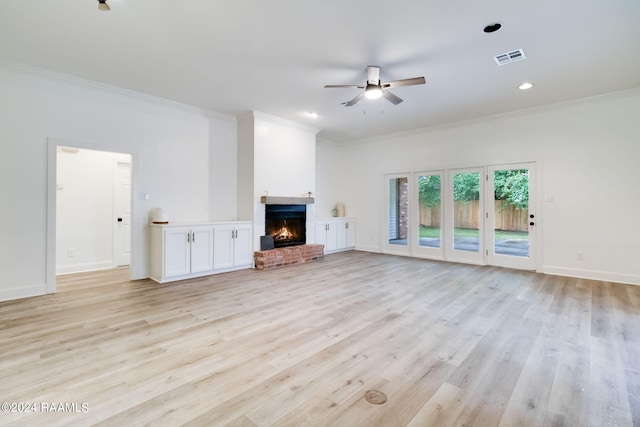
(482, 215)
(510, 216)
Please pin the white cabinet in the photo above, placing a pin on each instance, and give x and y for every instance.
(232, 246)
(181, 252)
(336, 234)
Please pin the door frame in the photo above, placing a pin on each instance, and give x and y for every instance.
(52, 168)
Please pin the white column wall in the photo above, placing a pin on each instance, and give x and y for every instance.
(284, 157)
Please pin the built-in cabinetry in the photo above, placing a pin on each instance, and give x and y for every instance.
(232, 246)
(182, 251)
(336, 234)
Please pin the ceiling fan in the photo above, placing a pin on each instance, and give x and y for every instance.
(374, 89)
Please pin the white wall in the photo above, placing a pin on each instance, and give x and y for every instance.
(333, 175)
(170, 144)
(587, 153)
(84, 209)
(223, 161)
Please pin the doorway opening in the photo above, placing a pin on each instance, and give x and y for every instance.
(92, 209)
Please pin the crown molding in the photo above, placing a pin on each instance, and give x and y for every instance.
(66, 78)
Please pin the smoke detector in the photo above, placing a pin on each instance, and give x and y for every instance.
(509, 57)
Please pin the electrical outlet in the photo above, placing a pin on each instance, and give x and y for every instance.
(580, 256)
(71, 253)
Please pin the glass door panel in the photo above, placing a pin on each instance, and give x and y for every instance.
(464, 212)
(397, 223)
(429, 230)
(511, 216)
(467, 214)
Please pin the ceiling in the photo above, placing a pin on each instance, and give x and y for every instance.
(275, 56)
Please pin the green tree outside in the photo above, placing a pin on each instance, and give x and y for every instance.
(511, 186)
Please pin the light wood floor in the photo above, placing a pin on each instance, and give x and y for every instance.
(448, 344)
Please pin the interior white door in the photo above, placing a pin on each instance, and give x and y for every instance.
(122, 213)
(511, 217)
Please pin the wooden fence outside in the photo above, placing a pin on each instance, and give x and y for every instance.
(467, 214)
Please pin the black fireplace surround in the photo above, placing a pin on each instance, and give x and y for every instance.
(286, 224)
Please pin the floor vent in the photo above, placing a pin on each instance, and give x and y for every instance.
(375, 397)
(509, 57)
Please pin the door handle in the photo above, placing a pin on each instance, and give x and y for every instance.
(532, 223)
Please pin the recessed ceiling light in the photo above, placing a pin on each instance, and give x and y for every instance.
(525, 86)
(492, 28)
(312, 114)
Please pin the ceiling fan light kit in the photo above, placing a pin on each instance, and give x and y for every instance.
(374, 89)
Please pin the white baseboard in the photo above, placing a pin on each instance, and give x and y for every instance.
(22, 292)
(375, 249)
(604, 276)
(83, 267)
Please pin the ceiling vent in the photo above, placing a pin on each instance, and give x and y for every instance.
(509, 57)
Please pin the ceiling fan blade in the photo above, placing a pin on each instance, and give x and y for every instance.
(391, 97)
(342, 86)
(404, 82)
(354, 101)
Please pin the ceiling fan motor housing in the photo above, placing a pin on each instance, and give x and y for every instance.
(373, 75)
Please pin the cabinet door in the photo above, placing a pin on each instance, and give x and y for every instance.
(350, 232)
(332, 236)
(201, 249)
(341, 234)
(321, 234)
(223, 246)
(242, 254)
(176, 252)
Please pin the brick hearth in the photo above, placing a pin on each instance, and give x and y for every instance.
(279, 257)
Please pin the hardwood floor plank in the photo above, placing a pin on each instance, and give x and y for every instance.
(449, 344)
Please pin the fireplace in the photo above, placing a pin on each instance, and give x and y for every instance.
(286, 224)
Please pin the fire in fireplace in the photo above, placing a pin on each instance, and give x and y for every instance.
(286, 224)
